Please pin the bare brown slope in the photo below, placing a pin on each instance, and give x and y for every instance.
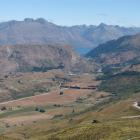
(27, 58)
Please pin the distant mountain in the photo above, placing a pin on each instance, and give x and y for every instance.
(40, 58)
(40, 31)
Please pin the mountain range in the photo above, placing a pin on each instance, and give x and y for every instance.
(39, 31)
(38, 45)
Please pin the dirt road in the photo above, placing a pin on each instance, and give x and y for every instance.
(135, 105)
(52, 97)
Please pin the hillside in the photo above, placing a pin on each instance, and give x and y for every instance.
(118, 53)
(35, 58)
(82, 112)
(124, 84)
(40, 31)
(73, 126)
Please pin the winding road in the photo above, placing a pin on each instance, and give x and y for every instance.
(11, 101)
(135, 105)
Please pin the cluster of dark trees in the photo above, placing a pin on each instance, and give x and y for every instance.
(40, 109)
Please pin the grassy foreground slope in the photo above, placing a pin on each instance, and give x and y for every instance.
(111, 125)
(117, 130)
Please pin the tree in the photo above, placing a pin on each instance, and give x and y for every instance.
(42, 110)
(95, 121)
(61, 93)
(36, 109)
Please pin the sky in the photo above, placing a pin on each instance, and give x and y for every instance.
(74, 12)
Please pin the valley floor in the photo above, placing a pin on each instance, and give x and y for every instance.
(72, 109)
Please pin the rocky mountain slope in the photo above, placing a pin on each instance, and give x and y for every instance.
(40, 31)
(26, 58)
(122, 52)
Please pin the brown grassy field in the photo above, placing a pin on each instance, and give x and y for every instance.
(68, 116)
(22, 111)
(110, 126)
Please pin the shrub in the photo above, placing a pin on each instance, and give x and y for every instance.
(42, 110)
(36, 109)
(61, 93)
